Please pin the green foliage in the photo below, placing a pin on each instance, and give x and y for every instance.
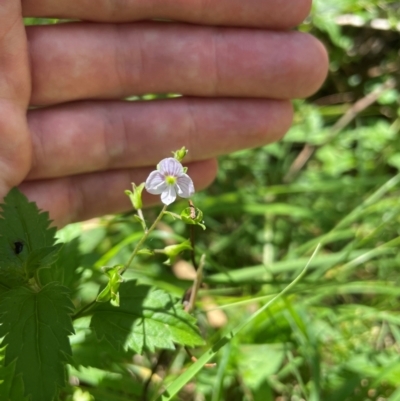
(67, 268)
(145, 319)
(11, 386)
(336, 335)
(35, 319)
(26, 241)
(35, 327)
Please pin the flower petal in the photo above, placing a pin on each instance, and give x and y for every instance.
(185, 186)
(169, 195)
(155, 183)
(170, 166)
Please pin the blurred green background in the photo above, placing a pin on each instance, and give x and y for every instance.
(333, 179)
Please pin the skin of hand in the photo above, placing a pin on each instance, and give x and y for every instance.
(73, 145)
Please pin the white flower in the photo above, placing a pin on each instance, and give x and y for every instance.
(169, 180)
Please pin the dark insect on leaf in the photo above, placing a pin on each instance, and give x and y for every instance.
(18, 247)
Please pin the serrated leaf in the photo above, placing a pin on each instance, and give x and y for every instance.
(24, 229)
(35, 327)
(11, 385)
(145, 319)
(43, 257)
(66, 269)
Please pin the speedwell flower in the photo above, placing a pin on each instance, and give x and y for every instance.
(169, 180)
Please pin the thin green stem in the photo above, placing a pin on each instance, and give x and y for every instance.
(92, 304)
(143, 239)
(144, 225)
(82, 311)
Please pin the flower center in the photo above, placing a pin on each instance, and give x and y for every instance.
(170, 179)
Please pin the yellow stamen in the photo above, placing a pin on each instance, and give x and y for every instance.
(170, 180)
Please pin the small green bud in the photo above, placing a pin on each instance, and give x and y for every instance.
(110, 292)
(146, 252)
(136, 195)
(180, 154)
(175, 250)
(193, 215)
(172, 251)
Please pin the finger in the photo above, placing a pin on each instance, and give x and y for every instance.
(82, 197)
(92, 136)
(116, 61)
(257, 13)
(14, 97)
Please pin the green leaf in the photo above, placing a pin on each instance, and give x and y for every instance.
(252, 356)
(26, 241)
(43, 257)
(67, 268)
(87, 350)
(35, 327)
(145, 319)
(11, 386)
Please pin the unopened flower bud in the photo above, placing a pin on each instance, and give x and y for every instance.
(175, 250)
(180, 154)
(136, 195)
(172, 251)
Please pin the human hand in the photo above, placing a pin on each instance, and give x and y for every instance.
(76, 156)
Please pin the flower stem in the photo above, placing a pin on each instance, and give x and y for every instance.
(82, 311)
(143, 239)
(92, 304)
(140, 214)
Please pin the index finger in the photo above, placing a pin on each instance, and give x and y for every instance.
(273, 14)
(14, 97)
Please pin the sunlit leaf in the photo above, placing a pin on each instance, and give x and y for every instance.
(145, 319)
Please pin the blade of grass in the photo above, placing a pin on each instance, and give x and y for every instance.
(354, 214)
(390, 246)
(378, 194)
(257, 273)
(217, 388)
(395, 396)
